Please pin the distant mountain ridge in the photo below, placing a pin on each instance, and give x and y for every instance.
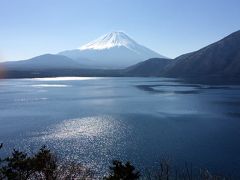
(150, 67)
(46, 61)
(219, 58)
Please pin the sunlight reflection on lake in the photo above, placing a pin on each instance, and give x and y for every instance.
(95, 120)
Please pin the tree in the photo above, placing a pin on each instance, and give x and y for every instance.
(120, 171)
(1, 174)
(20, 166)
(45, 163)
(42, 166)
(17, 166)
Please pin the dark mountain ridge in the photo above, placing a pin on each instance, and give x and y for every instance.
(218, 59)
(150, 67)
(46, 61)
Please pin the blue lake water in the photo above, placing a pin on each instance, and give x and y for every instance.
(96, 120)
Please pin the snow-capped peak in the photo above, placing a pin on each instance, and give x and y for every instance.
(115, 49)
(113, 39)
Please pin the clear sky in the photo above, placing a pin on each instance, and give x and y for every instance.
(171, 27)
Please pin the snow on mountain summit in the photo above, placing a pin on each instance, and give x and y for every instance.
(113, 39)
(113, 50)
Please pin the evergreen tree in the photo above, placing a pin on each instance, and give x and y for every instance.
(18, 166)
(120, 171)
(45, 163)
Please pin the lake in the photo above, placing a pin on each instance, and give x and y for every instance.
(96, 120)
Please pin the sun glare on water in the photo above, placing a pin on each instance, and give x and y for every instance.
(95, 126)
(66, 78)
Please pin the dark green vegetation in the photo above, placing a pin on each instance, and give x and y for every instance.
(44, 165)
(122, 171)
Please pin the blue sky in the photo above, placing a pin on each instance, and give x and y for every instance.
(171, 27)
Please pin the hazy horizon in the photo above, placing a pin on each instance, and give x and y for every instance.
(170, 28)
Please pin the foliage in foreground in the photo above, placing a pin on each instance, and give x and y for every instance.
(44, 166)
(122, 171)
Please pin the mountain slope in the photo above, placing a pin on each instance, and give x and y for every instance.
(150, 67)
(218, 59)
(116, 50)
(46, 61)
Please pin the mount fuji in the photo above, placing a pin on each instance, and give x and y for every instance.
(113, 50)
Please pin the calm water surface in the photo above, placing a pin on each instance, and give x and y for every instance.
(95, 120)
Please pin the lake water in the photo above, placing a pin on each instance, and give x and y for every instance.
(96, 120)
